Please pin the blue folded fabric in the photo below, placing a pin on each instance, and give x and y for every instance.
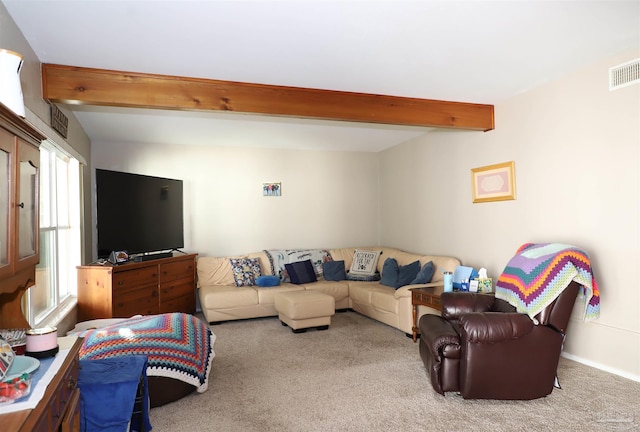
(108, 390)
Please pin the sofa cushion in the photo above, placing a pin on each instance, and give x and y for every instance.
(266, 296)
(301, 272)
(390, 273)
(361, 292)
(365, 262)
(245, 271)
(425, 274)
(407, 273)
(382, 299)
(334, 270)
(337, 289)
(228, 297)
(266, 281)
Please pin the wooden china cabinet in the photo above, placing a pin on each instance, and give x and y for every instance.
(19, 214)
(58, 409)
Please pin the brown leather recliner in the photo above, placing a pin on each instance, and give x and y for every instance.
(481, 348)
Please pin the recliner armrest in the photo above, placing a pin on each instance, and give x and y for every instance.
(457, 304)
(439, 335)
(492, 327)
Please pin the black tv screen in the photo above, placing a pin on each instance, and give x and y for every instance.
(138, 213)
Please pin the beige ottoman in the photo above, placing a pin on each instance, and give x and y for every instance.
(301, 310)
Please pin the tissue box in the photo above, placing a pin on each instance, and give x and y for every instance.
(485, 285)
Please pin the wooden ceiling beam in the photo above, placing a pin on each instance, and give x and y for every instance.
(87, 86)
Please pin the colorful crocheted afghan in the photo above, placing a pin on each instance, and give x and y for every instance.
(538, 274)
(177, 345)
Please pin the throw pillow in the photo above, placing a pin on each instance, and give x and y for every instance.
(267, 281)
(407, 273)
(390, 271)
(425, 275)
(365, 262)
(334, 270)
(245, 271)
(279, 257)
(301, 272)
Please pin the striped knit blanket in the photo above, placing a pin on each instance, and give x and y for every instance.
(538, 274)
(177, 345)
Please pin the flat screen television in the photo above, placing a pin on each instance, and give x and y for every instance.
(138, 214)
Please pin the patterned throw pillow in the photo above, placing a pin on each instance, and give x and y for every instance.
(245, 271)
(365, 262)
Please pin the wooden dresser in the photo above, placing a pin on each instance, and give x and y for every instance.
(59, 409)
(146, 288)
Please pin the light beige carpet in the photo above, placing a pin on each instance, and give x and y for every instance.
(361, 375)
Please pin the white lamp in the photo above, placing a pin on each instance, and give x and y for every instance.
(10, 87)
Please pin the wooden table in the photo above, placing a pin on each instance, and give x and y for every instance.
(426, 296)
(59, 409)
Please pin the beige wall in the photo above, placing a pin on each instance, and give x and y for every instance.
(576, 148)
(329, 199)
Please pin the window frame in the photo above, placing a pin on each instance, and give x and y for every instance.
(56, 167)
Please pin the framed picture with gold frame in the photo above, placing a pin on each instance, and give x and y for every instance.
(494, 182)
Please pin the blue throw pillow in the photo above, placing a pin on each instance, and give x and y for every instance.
(390, 273)
(267, 281)
(425, 275)
(334, 270)
(301, 272)
(407, 273)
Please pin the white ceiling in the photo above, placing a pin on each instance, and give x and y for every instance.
(468, 51)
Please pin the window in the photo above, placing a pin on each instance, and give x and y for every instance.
(60, 242)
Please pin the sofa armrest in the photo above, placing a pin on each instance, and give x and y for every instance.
(456, 304)
(405, 291)
(494, 327)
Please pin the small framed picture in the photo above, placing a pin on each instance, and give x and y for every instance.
(494, 182)
(271, 189)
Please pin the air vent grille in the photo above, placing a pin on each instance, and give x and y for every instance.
(624, 75)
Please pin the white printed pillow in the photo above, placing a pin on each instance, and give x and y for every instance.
(365, 262)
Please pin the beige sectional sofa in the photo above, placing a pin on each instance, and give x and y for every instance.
(222, 300)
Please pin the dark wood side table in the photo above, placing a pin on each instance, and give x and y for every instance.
(425, 296)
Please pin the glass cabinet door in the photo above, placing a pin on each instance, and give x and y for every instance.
(6, 195)
(27, 204)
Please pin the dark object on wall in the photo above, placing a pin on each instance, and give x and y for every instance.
(138, 213)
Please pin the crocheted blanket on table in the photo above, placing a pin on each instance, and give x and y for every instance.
(177, 345)
(538, 274)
